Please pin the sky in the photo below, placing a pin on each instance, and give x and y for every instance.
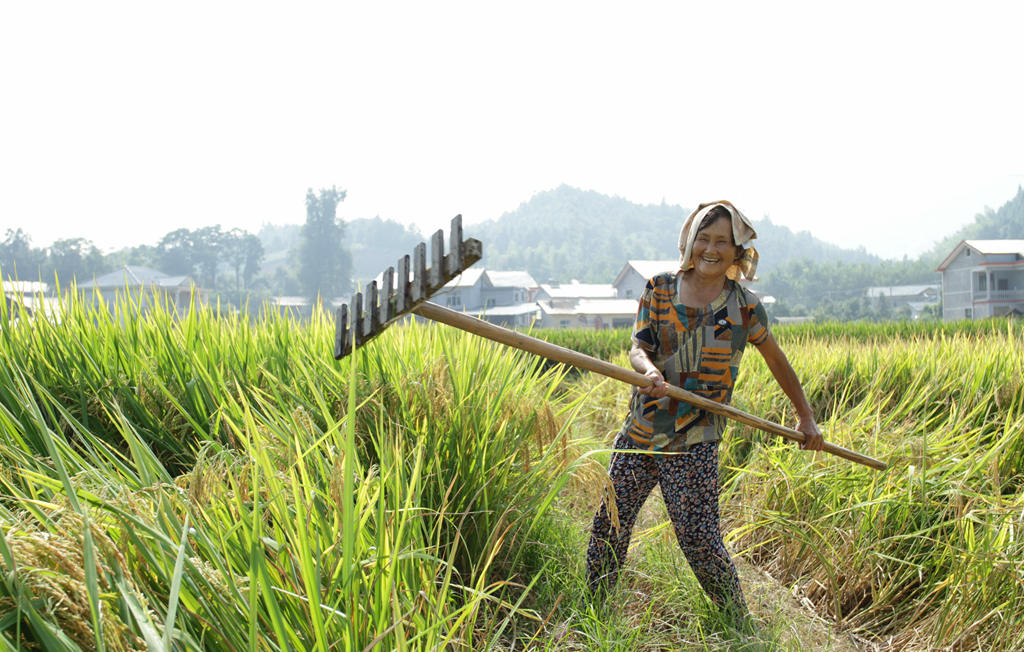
(887, 125)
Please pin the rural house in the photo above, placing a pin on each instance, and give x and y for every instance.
(915, 297)
(630, 282)
(983, 278)
(144, 283)
(583, 305)
(499, 297)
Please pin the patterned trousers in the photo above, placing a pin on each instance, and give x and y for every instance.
(689, 485)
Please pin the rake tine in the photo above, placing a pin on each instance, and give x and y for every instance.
(356, 327)
(341, 346)
(419, 281)
(372, 315)
(454, 261)
(387, 308)
(402, 304)
(436, 261)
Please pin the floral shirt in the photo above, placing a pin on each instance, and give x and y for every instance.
(698, 349)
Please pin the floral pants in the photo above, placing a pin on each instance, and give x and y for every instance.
(689, 485)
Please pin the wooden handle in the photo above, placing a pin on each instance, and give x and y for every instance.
(557, 353)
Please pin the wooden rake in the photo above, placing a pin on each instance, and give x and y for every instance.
(408, 291)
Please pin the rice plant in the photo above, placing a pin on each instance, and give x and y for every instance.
(228, 485)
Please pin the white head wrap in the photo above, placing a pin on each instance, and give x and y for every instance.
(742, 233)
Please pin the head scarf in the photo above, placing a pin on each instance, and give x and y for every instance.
(742, 233)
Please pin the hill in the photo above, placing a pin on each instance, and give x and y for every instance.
(569, 233)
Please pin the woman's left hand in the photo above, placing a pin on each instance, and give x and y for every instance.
(815, 440)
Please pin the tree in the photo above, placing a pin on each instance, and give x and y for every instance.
(176, 252)
(244, 252)
(209, 244)
(75, 258)
(324, 264)
(18, 258)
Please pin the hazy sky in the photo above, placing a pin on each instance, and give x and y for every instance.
(882, 124)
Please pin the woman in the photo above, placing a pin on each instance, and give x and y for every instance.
(690, 331)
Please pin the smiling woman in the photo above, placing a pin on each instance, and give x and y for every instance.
(691, 328)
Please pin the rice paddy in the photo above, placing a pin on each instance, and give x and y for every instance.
(209, 482)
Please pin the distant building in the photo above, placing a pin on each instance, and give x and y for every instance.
(583, 305)
(630, 282)
(915, 297)
(575, 291)
(297, 307)
(983, 278)
(596, 314)
(145, 283)
(504, 298)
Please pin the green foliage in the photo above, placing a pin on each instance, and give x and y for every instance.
(603, 344)
(18, 259)
(75, 259)
(924, 552)
(228, 486)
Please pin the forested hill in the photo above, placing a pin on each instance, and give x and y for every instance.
(568, 233)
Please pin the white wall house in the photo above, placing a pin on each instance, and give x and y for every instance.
(630, 282)
(575, 291)
(145, 283)
(983, 278)
(915, 297)
(464, 292)
(596, 314)
(499, 297)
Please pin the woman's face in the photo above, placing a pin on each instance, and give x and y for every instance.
(713, 249)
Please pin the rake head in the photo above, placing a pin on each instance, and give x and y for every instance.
(399, 293)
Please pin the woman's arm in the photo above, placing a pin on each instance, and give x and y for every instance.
(779, 365)
(641, 361)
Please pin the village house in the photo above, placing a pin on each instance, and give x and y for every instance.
(630, 282)
(914, 297)
(983, 278)
(584, 305)
(145, 284)
(504, 298)
(24, 299)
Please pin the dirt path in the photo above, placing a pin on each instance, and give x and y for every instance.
(797, 626)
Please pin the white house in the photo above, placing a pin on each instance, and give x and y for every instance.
(916, 297)
(464, 292)
(179, 291)
(587, 313)
(575, 291)
(630, 282)
(983, 278)
(500, 297)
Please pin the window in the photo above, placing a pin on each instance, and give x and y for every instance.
(981, 281)
(1002, 284)
(454, 300)
(564, 323)
(967, 313)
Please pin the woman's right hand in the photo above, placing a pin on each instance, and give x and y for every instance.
(658, 387)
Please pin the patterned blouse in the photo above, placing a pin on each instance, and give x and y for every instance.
(698, 349)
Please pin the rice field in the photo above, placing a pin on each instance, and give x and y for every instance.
(209, 482)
